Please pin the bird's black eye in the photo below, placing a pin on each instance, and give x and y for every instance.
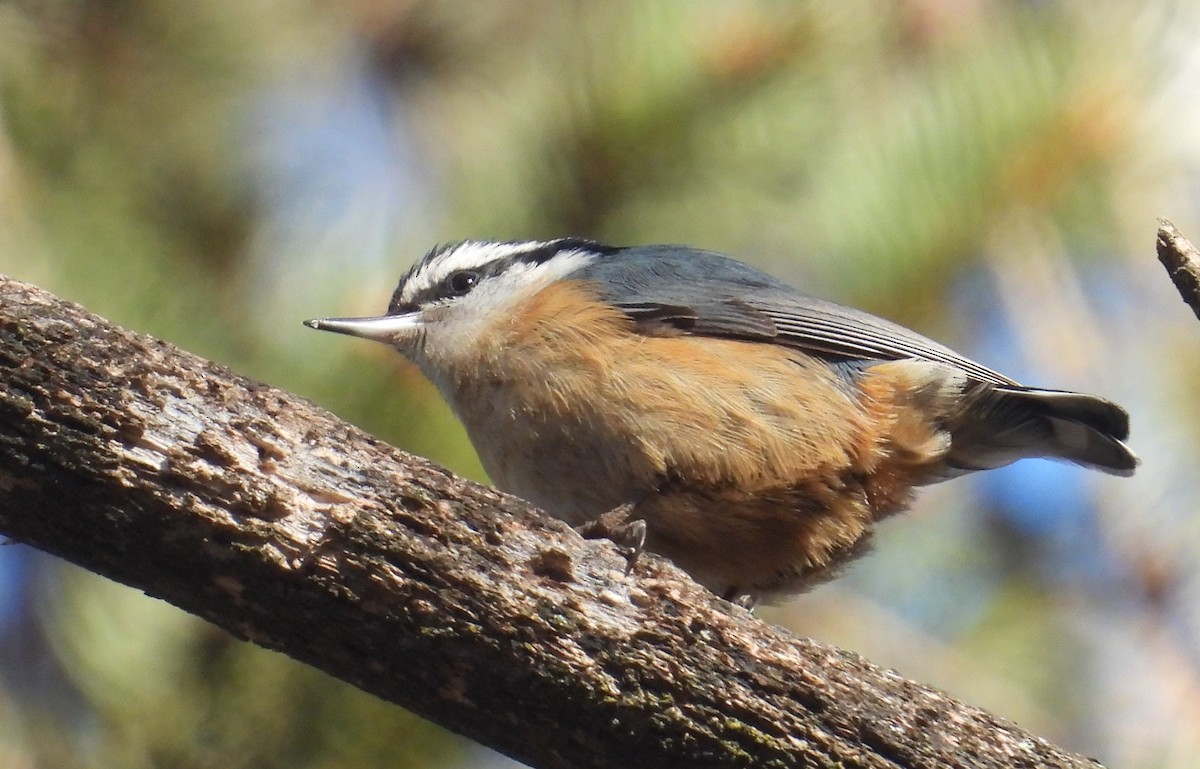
(461, 282)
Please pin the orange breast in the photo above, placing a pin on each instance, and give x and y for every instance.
(714, 410)
(753, 462)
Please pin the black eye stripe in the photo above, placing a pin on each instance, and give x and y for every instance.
(533, 254)
(548, 250)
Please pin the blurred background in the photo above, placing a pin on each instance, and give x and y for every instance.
(985, 171)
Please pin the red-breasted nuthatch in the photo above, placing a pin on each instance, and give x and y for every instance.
(757, 432)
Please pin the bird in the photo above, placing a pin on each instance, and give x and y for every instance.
(680, 400)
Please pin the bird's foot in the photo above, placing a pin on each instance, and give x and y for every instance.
(738, 597)
(615, 525)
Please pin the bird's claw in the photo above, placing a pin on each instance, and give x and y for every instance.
(615, 525)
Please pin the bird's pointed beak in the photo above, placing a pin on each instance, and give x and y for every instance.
(385, 328)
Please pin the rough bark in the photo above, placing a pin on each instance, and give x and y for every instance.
(287, 527)
(1182, 261)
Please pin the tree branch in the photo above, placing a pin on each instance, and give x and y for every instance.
(285, 526)
(1182, 261)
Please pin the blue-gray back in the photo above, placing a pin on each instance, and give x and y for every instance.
(705, 293)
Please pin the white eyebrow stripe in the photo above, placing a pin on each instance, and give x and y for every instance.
(466, 255)
(480, 254)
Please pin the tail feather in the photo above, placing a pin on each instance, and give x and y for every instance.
(1097, 413)
(1000, 424)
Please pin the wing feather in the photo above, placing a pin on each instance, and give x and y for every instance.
(704, 293)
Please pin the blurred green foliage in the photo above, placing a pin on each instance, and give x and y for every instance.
(872, 152)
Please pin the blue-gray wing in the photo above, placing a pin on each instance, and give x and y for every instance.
(700, 292)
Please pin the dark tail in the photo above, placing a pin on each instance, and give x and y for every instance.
(999, 424)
